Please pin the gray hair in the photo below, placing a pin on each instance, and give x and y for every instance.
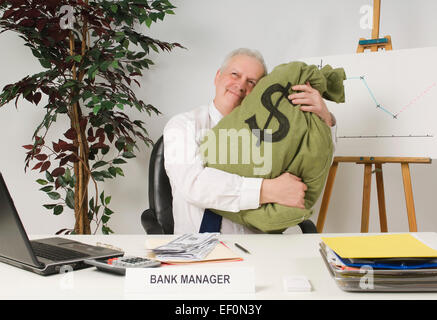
(245, 52)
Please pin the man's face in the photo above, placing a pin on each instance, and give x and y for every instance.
(236, 81)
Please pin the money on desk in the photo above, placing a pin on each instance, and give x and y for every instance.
(190, 247)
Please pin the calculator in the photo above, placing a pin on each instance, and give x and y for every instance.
(120, 264)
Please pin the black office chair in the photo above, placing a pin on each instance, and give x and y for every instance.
(159, 218)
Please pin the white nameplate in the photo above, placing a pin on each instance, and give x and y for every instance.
(183, 279)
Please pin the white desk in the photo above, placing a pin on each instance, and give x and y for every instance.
(273, 256)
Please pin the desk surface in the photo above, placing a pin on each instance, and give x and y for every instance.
(273, 257)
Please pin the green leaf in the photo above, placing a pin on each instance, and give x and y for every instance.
(119, 161)
(86, 95)
(102, 197)
(128, 155)
(106, 230)
(97, 176)
(108, 211)
(49, 177)
(49, 206)
(108, 105)
(96, 109)
(42, 182)
(91, 204)
(105, 64)
(54, 195)
(107, 201)
(47, 189)
(114, 64)
(70, 199)
(114, 8)
(106, 174)
(45, 63)
(120, 171)
(112, 171)
(68, 84)
(58, 210)
(105, 219)
(62, 181)
(93, 71)
(76, 58)
(99, 164)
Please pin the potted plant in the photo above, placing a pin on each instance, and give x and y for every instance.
(92, 56)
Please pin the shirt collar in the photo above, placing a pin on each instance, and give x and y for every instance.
(214, 114)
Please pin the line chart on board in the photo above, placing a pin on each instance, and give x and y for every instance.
(385, 109)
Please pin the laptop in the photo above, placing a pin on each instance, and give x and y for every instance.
(44, 256)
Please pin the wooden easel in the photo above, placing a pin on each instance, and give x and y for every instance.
(368, 162)
(374, 44)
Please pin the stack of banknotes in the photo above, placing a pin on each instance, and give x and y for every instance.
(189, 247)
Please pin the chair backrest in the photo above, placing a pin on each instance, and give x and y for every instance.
(160, 196)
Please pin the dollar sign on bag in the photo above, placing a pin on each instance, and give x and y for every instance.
(266, 100)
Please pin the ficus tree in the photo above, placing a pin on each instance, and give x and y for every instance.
(91, 56)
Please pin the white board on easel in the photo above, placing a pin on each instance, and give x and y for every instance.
(391, 103)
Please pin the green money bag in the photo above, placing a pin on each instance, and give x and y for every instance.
(267, 135)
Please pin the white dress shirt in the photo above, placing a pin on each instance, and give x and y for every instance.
(196, 187)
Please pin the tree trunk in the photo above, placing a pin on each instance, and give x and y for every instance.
(81, 167)
(81, 171)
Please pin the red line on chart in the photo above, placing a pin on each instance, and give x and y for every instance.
(416, 98)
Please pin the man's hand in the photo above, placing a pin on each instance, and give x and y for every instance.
(287, 190)
(311, 101)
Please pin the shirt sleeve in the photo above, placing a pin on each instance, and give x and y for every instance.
(199, 185)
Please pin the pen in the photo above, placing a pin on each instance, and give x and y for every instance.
(241, 248)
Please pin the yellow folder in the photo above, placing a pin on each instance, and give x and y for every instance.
(402, 245)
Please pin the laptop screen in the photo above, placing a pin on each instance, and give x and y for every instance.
(14, 243)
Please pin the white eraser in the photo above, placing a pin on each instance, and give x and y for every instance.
(296, 284)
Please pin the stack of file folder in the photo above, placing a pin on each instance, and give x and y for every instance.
(389, 262)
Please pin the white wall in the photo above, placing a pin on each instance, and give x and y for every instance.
(183, 79)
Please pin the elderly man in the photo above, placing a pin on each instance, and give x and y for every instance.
(196, 187)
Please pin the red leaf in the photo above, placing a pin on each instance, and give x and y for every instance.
(29, 97)
(64, 160)
(71, 134)
(37, 166)
(100, 133)
(58, 172)
(57, 183)
(45, 166)
(28, 146)
(41, 23)
(33, 13)
(37, 97)
(27, 23)
(8, 13)
(90, 132)
(41, 157)
(73, 158)
(59, 156)
(56, 147)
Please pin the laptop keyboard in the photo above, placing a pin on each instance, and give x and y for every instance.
(54, 253)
